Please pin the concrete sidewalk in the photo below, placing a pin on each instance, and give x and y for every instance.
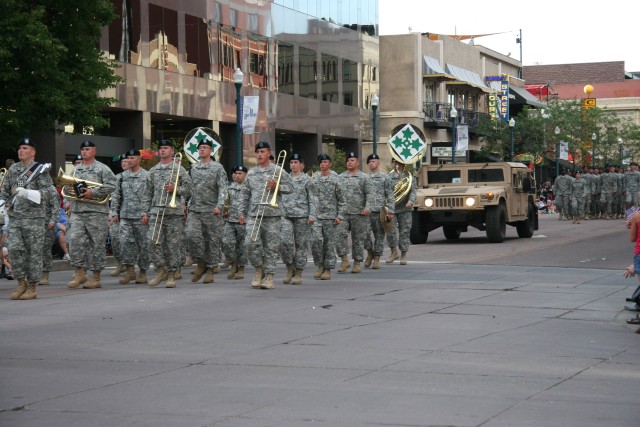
(420, 345)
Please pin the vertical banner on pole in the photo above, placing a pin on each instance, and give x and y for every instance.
(250, 107)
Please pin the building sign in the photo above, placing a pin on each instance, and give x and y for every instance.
(494, 107)
(504, 101)
(446, 152)
(588, 103)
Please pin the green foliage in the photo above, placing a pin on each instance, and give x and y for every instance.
(338, 161)
(52, 67)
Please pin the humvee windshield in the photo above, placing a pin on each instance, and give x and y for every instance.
(485, 175)
(443, 177)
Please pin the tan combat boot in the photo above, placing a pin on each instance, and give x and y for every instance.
(403, 258)
(257, 279)
(344, 265)
(216, 269)
(94, 282)
(586, 217)
(79, 278)
(267, 283)
(318, 273)
(199, 271)
(161, 275)
(297, 277)
(232, 273)
(369, 260)
(578, 221)
(356, 267)
(393, 256)
(208, 276)
(129, 275)
(142, 277)
(31, 292)
(171, 280)
(376, 262)
(606, 215)
(20, 290)
(239, 273)
(326, 274)
(178, 273)
(44, 278)
(289, 275)
(120, 268)
(188, 262)
(575, 219)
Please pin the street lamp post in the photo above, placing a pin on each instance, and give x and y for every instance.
(374, 107)
(594, 139)
(557, 132)
(512, 124)
(454, 118)
(238, 79)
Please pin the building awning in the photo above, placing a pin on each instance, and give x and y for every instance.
(523, 96)
(495, 85)
(431, 68)
(467, 77)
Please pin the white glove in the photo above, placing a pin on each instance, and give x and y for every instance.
(21, 192)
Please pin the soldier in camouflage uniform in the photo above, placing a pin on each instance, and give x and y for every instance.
(383, 195)
(51, 206)
(127, 210)
(632, 185)
(359, 188)
(205, 223)
(89, 226)
(588, 180)
(608, 189)
(299, 216)
(579, 191)
(235, 227)
(23, 192)
(404, 214)
(114, 225)
(263, 231)
(596, 187)
(165, 222)
(330, 206)
(621, 195)
(562, 194)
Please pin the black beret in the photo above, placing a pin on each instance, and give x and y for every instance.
(297, 156)
(87, 143)
(372, 157)
(206, 141)
(240, 168)
(351, 154)
(78, 157)
(133, 152)
(123, 156)
(165, 143)
(26, 141)
(262, 144)
(323, 156)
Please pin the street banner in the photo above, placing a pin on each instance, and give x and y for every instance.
(250, 105)
(564, 150)
(462, 136)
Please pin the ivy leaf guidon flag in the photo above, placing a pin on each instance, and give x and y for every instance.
(191, 145)
(406, 143)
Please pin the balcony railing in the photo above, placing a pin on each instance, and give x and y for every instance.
(441, 113)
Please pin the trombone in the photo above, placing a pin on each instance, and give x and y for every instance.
(164, 198)
(269, 198)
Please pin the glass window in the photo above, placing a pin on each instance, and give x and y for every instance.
(233, 17)
(253, 23)
(285, 69)
(163, 38)
(197, 45)
(442, 177)
(485, 175)
(307, 73)
(124, 32)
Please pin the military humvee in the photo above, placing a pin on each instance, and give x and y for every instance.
(486, 196)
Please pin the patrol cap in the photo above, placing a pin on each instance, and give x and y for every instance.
(87, 143)
(262, 144)
(240, 168)
(372, 157)
(350, 155)
(165, 143)
(206, 141)
(26, 141)
(297, 156)
(132, 152)
(323, 156)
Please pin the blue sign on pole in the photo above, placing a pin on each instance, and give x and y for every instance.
(504, 100)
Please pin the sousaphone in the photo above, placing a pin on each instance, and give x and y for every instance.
(196, 135)
(407, 145)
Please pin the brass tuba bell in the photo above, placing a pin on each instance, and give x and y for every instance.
(68, 183)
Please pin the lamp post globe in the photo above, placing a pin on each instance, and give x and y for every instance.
(374, 107)
(238, 79)
(454, 119)
(594, 139)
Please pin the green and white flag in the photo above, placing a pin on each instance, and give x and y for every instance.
(193, 139)
(407, 143)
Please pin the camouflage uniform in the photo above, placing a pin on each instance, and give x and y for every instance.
(167, 253)
(89, 227)
(51, 206)
(609, 188)
(620, 195)
(233, 244)
(204, 228)
(359, 188)
(114, 227)
(632, 186)
(298, 210)
(562, 194)
(383, 195)
(596, 187)
(330, 204)
(403, 216)
(126, 202)
(579, 191)
(588, 180)
(26, 233)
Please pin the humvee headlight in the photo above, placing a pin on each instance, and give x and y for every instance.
(470, 201)
(428, 202)
(487, 196)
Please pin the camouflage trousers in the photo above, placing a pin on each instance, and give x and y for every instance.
(233, 243)
(563, 204)
(114, 233)
(375, 227)
(578, 206)
(358, 225)
(47, 245)
(586, 205)
(24, 243)
(264, 251)
(595, 205)
(204, 233)
(88, 234)
(399, 237)
(606, 202)
(133, 243)
(294, 241)
(323, 243)
(168, 252)
(631, 198)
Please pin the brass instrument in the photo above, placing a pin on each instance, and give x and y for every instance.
(403, 186)
(164, 199)
(227, 205)
(68, 183)
(269, 198)
(3, 174)
(407, 137)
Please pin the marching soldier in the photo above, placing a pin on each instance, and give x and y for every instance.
(632, 185)
(89, 226)
(205, 223)
(609, 188)
(24, 188)
(165, 233)
(127, 207)
(51, 206)
(114, 224)
(621, 195)
(596, 186)
(403, 213)
(579, 191)
(330, 207)
(383, 195)
(299, 216)
(562, 194)
(235, 225)
(358, 186)
(588, 181)
(263, 236)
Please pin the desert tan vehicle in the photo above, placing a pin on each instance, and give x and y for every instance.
(486, 196)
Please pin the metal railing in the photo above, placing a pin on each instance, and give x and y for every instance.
(441, 113)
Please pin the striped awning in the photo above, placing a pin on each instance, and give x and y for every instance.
(431, 68)
(467, 77)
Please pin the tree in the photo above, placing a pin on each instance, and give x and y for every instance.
(52, 68)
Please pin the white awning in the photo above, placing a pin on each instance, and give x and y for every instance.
(467, 77)
(431, 68)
